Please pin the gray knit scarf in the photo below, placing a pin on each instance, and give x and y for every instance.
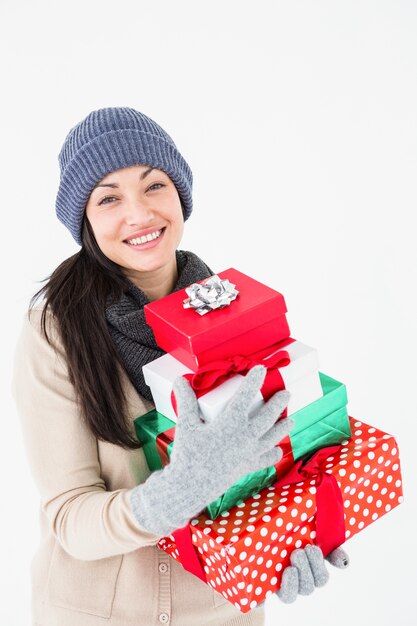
(133, 338)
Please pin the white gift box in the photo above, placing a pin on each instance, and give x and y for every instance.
(301, 379)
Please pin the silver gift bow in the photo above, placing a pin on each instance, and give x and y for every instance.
(213, 293)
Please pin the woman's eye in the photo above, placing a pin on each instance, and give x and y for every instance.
(155, 185)
(106, 198)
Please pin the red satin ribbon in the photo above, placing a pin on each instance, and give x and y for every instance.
(162, 442)
(188, 553)
(330, 524)
(215, 373)
(287, 460)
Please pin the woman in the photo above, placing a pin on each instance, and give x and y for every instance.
(124, 194)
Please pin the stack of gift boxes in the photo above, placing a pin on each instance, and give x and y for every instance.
(333, 465)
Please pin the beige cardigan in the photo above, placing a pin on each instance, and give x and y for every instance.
(94, 564)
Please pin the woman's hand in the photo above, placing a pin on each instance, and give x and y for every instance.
(208, 457)
(308, 571)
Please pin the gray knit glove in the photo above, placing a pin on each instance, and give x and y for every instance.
(207, 458)
(307, 571)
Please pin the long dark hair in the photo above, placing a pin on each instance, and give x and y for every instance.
(76, 293)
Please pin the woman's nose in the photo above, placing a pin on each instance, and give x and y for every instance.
(138, 210)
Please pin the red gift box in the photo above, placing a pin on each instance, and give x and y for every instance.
(243, 553)
(255, 319)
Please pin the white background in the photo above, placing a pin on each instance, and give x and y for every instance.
(298, 120)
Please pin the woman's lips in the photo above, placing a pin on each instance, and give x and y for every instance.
(147, 244)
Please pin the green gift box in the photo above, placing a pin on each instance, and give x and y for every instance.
(322, 423)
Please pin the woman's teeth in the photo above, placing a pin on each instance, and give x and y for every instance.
(144, 238)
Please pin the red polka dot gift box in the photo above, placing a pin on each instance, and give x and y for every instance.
(325, 500)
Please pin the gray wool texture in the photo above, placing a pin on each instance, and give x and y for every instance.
(308, 571)
(209, 457)
(133, 338)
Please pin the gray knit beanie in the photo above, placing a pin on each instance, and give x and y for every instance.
(106, 140)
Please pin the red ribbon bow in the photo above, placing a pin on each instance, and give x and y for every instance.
(215, 373)
(330, 523)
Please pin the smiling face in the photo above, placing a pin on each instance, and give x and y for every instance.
(137, 220)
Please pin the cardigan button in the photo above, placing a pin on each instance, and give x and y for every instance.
(164, 618)
(163, 567)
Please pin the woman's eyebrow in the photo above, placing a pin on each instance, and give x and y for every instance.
(141, 177)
